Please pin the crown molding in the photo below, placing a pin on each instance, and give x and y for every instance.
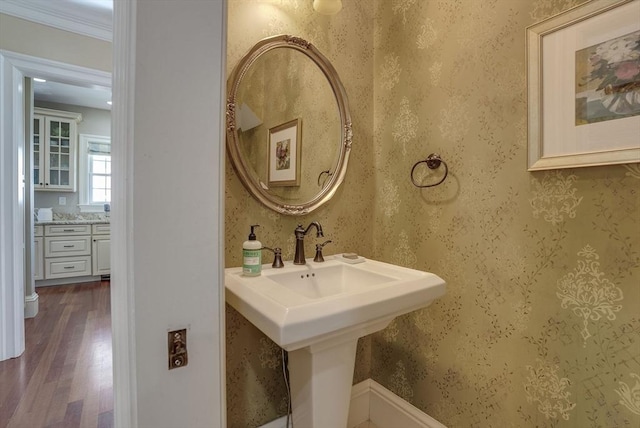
(64, 16)
(58, 71)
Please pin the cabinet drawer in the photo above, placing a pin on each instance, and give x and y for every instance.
(101, 229)
(67, 229)
(38, 230)
(64, 267)
(61, 246)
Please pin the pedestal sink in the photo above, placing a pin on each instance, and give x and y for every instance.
(317, 312)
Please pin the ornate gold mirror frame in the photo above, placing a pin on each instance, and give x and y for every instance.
(242, 166)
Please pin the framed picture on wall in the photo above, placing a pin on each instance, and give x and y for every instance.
(284, 154)
(583, 75)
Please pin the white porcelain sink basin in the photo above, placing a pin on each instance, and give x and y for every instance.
(320, 280)
(317, 312)
(299, 304)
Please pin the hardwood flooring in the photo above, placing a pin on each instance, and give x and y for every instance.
(64, 378)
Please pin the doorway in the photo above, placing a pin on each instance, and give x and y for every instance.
(184, 286)
(14, 240)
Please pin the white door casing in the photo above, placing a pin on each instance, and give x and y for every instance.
(169, 84)
(11, 209)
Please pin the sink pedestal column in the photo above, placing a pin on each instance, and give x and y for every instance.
(321, 379)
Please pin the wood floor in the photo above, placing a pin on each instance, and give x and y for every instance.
(64, 377)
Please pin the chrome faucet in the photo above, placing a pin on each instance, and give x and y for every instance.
(300, 232)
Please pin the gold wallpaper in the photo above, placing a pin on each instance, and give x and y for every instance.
(256, 393)
(540, 325)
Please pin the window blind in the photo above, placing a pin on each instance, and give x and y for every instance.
(99, 148)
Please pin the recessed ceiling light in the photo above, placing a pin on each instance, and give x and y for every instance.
(37, 79)
(109, 102)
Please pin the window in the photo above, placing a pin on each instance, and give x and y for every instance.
(95, 172)
(99, 178)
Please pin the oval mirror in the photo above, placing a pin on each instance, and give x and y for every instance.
(288, 125)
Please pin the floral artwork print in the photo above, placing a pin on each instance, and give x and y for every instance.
(608, 80)
(283, 157)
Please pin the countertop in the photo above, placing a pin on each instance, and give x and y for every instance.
(77, 221)
(69, 218)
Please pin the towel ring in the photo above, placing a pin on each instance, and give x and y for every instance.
(433, 161)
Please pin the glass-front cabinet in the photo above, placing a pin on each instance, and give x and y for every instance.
(55, 142)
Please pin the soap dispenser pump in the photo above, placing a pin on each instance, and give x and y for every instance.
(252, 254)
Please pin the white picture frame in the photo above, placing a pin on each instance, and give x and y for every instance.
(555, 140)
(284, 154)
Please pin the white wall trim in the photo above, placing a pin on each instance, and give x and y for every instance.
(11, 209)
(360, 405)
(31, 305)
(277, 423)
(63, 281)
(371, 401)
(387, 410)
(80, 20)
(59, 71)
(122, 267)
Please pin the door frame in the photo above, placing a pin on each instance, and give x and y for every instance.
(15, 66)
(12, 240)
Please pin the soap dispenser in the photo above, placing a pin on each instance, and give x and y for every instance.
(252, 254)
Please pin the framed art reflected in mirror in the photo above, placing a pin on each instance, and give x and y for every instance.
(285, 146)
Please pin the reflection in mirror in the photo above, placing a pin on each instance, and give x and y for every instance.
(288, 116)
(281, 85)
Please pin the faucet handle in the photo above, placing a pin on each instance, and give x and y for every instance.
(318, 258)
(277, 256)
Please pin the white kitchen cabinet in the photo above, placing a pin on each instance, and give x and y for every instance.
(101, 249)
(38, 254)
(72, 250)
(101, 255)
(55, 150)
(67, 251)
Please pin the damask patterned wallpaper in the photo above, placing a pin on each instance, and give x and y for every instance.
(255, 390)
(540, 325)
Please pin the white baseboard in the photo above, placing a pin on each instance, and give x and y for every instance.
(277, 423)
(67, 281)
(31, 305)
(387, 410)
(359, 408)
(371, 401)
